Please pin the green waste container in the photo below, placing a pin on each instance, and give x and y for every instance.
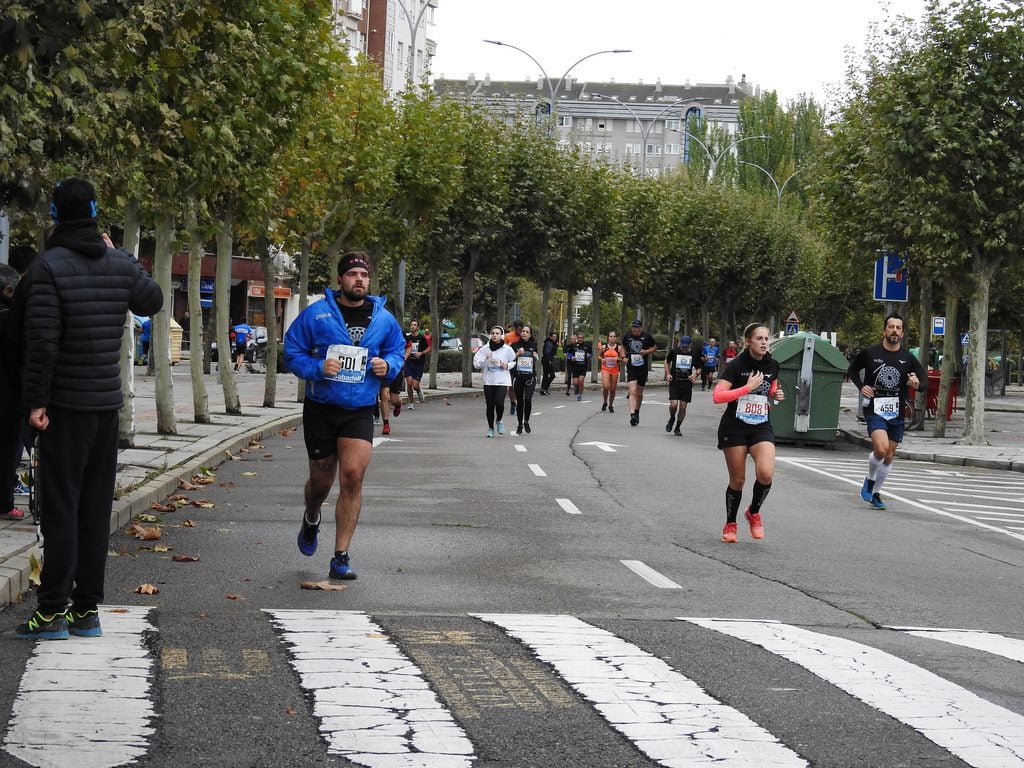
(811, 374)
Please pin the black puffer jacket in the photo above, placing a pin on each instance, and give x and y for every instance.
(77, 295)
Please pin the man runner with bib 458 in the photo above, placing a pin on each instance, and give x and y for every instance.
(343, 346)
(887, 370)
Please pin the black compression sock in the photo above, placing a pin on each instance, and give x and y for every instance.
(732, 504)
(760, 494)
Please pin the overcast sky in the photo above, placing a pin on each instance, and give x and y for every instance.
(790, 46)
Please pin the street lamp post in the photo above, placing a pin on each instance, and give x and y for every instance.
(645, 128)
(414, 30)
(554, 88)
(778, 189)
(712, 158)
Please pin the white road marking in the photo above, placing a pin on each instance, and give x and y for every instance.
(804, 464)
(535, 468)
(376, 709)
(670, 718)
(650, 575)
(980, 733)
(606, 447)
(568, 506)
(559, 406)
(86, 701)
(521, 448)
(1008, 647)
(381, 440)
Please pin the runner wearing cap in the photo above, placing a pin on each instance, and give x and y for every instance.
(639, 345)
(681, 370)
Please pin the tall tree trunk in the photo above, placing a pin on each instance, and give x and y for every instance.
(974, 418)
(196, 251)
(159, 344)
(949, 353)
(435, 322)
(269, 319)
(925, 337)
(126, 417)
(570, 324)
(545, 300)
(468, 287)
(501, 290)
(222, 302)
(307, 246)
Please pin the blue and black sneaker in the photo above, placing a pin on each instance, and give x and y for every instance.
(876, 502)
(340, 569)
(866, 489)
(42, 627)
(84, 623)
(307, 537)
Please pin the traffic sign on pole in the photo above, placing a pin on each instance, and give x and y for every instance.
(938, 326)
(891, 277)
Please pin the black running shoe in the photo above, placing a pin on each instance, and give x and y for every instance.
(668, 427)
(84, 623)
(42, 627)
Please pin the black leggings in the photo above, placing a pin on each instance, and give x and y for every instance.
(494, 396)
(524, 397)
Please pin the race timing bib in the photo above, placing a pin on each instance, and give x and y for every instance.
(525, 364)
(636, 360)
(887, 407)
(752, 409)
(684, 362)
(580, 356)
(353, 363)
(611, 362)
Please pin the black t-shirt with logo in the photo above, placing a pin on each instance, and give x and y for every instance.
(357, 319)
(886, 372)
(634, 346)
(681, 364)
(749, 410)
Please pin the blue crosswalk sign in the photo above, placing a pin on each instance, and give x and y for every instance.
(891, 282)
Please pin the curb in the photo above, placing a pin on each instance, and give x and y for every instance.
(1006, 465)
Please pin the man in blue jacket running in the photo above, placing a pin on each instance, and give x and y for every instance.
(343, 346)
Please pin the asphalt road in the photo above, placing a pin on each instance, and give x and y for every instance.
(462, 536)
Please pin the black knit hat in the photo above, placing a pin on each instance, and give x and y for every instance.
(73, 199)
(352, 260)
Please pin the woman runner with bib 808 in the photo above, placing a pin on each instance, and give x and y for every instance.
(748, 384)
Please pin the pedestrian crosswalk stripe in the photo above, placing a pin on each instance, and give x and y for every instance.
(376, 708)
(86, 701)
(999, 645)
(980, 733)
(568, 507)
(666, 715)
(813, 466)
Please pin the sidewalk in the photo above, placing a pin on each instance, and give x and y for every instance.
(1004, 431)
(150, 470)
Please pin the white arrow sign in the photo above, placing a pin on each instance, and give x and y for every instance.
(606, 447)
(378, 440)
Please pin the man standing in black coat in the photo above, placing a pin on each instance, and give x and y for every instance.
(547, 359)
(76, 297)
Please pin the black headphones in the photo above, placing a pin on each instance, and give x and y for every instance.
(53, 206)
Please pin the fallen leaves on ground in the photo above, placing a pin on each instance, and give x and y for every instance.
(289, 711)
(144, 532)
(189, 524)
(177, 497)
(35, 570)
(232, 596)
(118, 610)
(147, 589)
(156, 548)
(255, 443)
(185, 558)
(327, 586)
(287, 431)
(152, 518)
(268, 455)
(231, 456)
(248, 474)
(229, 484)
(187, 486)
(203, 503)
(158, 507)
(202, 480)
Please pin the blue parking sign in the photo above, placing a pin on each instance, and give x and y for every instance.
(891, 282)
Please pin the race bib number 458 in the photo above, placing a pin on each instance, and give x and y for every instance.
(353, 363)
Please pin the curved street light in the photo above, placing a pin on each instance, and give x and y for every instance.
(553, 89)
(715, 160)
(778, 189)
(414, 29)
(645, 130)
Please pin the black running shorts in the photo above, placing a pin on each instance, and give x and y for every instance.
(323, 425)
(731, 436)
